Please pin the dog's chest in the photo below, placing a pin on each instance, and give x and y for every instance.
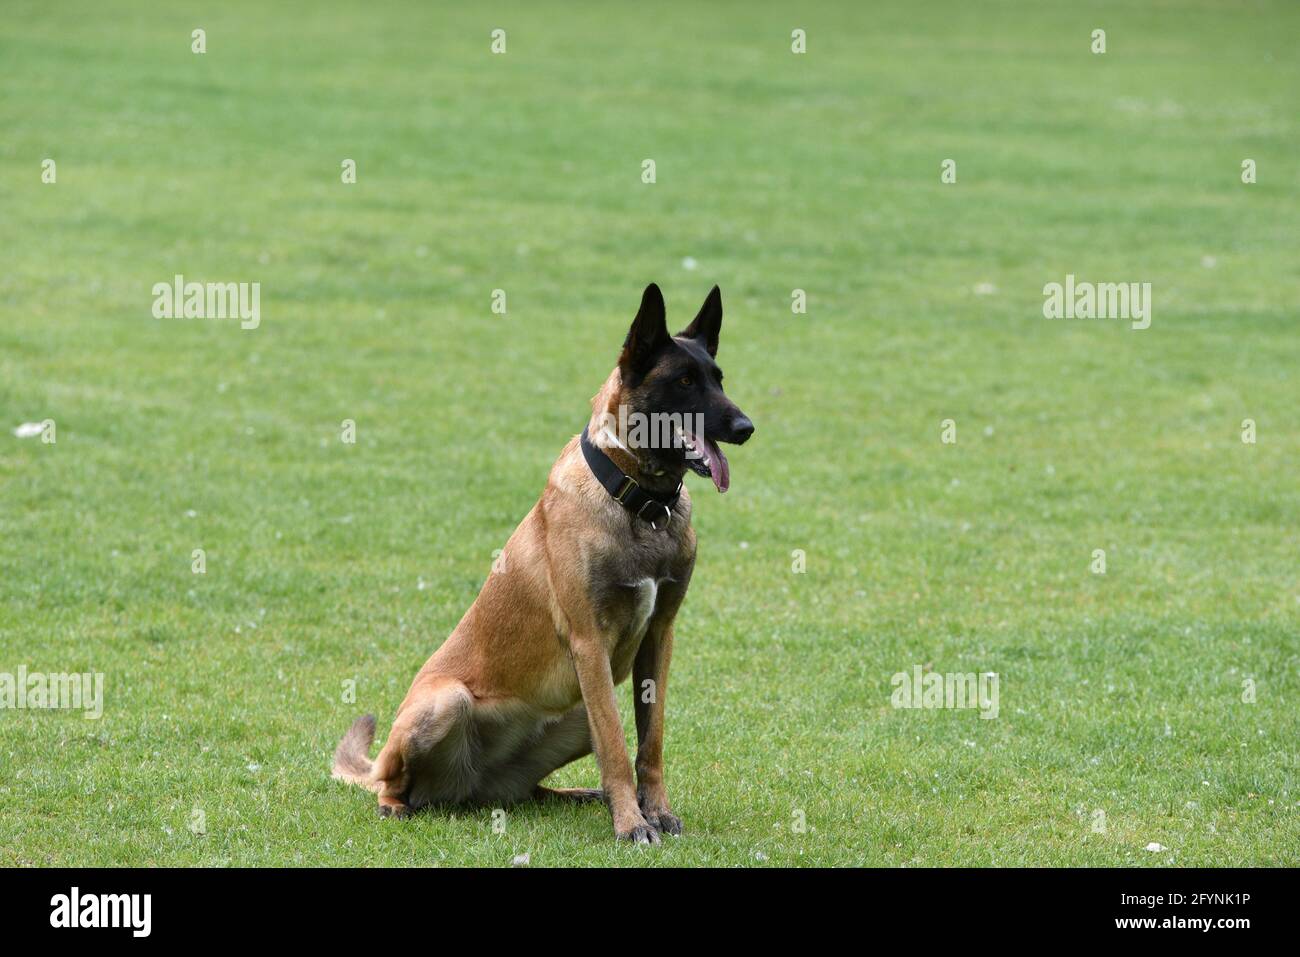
(630, 617)
(644, 594)
(631, 581)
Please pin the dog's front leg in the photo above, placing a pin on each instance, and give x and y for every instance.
(650, 682)
(591, 660)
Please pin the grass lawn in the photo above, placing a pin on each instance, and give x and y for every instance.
(329, 563)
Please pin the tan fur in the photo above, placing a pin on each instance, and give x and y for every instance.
(525, 683)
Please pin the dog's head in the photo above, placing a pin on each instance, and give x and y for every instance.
(672, 385)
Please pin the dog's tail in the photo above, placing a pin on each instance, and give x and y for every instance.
(351, 763)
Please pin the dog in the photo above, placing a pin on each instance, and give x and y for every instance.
(584, 594)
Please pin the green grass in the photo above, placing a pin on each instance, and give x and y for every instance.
(775, 171)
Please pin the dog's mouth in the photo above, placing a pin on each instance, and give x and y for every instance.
(705, 458)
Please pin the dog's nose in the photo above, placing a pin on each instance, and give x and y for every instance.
(741, 429)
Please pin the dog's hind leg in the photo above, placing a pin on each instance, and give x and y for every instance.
(428, 757)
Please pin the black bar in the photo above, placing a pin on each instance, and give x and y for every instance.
(329, 907)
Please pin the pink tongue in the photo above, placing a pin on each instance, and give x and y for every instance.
(717, 465)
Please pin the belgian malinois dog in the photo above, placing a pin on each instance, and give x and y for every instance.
(585, 592)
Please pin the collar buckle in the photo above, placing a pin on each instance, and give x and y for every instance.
(625, 489)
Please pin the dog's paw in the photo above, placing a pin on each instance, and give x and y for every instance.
(654, 806)
(641, 834)
(396, 811)
(665, 822)
(638, 831)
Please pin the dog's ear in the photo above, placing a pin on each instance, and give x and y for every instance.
(706, 326)
(648, 333)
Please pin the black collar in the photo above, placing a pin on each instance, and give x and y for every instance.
(625, 490)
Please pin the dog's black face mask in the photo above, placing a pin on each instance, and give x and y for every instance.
(675, 385)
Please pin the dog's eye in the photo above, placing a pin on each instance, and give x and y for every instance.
(686, 382)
